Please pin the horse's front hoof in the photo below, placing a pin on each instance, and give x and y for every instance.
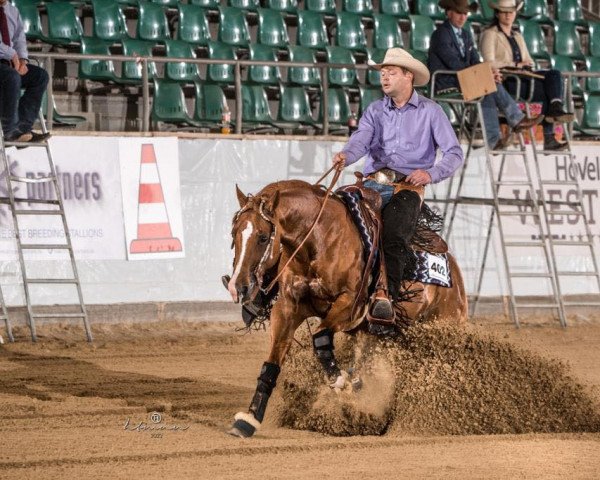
(244, 426)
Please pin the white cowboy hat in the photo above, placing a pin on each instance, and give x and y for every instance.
(506, 5)
(401, 58)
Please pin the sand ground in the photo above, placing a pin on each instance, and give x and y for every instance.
(70, 410)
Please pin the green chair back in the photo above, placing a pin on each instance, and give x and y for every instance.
(386, 32)
(429, 8)
(341, 76)
(483, 15)
(132, 71)
(64, 26)
(350, 32)
(166, 3)
(206, 4)
(250, 5)
(594, 39)
(368, 95)
(233, 28)
(566, 40)
(421, 29)
(152, 23)
(271, 28)
(565, 64)
(181, 71)
(255, 105)
(590, 122)
(592, 84)
(30, 15)
(168, 103)
(534, 39)
(360, 7)
(570, 11)
(536, 10)
(98, 70)
(311, 30)
(375, 55)
(221, 73)
(320, 6)
(303, 75)
(338, 107)
(287, 6)
(109, 21)
(396, 8)
(294, 106)
(210, 101)
(261, 73)
(193, 25)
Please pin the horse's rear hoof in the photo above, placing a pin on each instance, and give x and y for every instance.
(241, 429)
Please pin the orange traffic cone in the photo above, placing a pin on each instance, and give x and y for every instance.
(154, 230)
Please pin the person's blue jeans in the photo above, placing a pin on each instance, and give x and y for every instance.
(499, 100)
(17, 113)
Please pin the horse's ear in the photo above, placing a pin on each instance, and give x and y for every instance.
(272, 202)
(242, 199)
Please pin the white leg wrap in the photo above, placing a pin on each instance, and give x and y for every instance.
(248, 418)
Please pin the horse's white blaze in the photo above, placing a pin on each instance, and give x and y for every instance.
(246, 233)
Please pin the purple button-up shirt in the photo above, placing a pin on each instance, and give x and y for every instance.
(405, 139)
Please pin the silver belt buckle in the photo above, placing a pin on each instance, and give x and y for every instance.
(385, 176)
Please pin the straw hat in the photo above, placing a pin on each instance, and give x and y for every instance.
(401, 58)
(460, 6)
(506, 5)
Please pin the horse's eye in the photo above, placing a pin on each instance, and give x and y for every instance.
(263, 238)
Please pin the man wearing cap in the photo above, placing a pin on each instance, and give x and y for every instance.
(452, 48)
(400, 134)
(17, 113)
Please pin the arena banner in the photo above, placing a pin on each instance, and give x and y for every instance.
(151, 198)
(89, 178)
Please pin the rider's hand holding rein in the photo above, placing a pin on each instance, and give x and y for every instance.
(418, 178)
(339, 160)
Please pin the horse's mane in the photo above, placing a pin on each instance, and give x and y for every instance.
(286, 186)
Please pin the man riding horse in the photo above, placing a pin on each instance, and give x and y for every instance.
(400, 134)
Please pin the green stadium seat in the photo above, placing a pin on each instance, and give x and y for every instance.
(303, 75)
(566, 40)
(374, 55)
(59, 119)
(32, 23)
(536, 10)
(286, 6)
(570, 11)
(109, 21)
(250, 5)
(592, 84)
(360, 7)
(368, 95)
(294, 107)
(97, 70)
(320, 6)
(451, 114)
(181, 71)
(64, 27)
(255, 108)
(206, 4)
(386, 32)
(338, 109)
(420, 55)
(564, 63)
(271, 28)
(534, 39)
(221, 73)
(167, 3)
(350, 32)
(233, 28)
(429, 8)
(210, 101)
(152, 23)
(311, 30)
(193, 25)
(261, 73)
(344, 77)
(594, 39)
(590, 122)
(484, 15)
(168, 104)
(396, 8)
(421, 29)
(132, 71)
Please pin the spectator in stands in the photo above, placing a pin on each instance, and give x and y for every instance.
(505, 48)
(452, 48)
(17, 113)
(400, 134)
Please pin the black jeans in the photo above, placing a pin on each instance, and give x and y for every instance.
(17, 112)
(544, 91)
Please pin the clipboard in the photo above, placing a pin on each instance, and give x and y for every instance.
(476, 81)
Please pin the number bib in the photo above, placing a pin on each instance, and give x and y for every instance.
(431, 268)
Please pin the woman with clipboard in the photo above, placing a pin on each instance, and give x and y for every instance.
(506, 50)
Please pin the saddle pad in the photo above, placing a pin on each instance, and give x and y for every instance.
(351, 200)
(431, 268)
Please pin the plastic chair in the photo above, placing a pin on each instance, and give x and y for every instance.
(396, 8)
(537, 11)
(566, 40)
(311, 30)
(210, 101)
(360, 7)
(30, 15)
(97, 70)
(483, 15)
(255, 107)
(168, 103)
(271, 28)
(368, 95)
(590, 122)
(193, 25)
(58, 118)
(181, 71)
(341, 76)
(594, 39)
(206, 4)
(64, 26)
(429, 8)
(223, 73)
(386, 32)
(233, 28)
(420, 55)
(250, 5)
(167, 3)
(350, 32)
(152, 23)
(303, 75)
(592, 84)
(534, 39)
(375, 55)
(570, 11)
(261, 73)
(320, 6)
(294, 107)
(132, 71)
(565, 64)
(109, 21)
(421, 29)
(338, 108)
(287, 6)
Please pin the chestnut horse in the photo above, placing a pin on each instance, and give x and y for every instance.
(322, 280)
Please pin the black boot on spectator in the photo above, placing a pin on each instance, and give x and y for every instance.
(557, 114)
(550, 143)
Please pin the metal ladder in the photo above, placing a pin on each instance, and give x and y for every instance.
(502, 208)
(51, 207)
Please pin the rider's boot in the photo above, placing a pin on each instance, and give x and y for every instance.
(381, 307)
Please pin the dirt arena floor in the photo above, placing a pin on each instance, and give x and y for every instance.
(155, 400)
